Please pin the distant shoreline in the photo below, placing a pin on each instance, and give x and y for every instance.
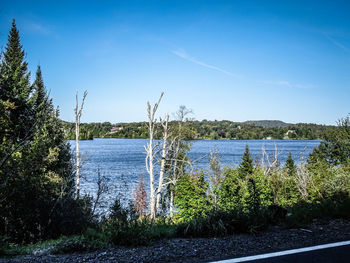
(204, 130)
(222, 139)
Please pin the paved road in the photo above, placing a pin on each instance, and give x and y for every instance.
(332, 253)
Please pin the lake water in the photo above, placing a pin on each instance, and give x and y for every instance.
(123, 160)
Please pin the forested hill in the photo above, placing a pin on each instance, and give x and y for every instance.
(205, 130)
(268, 123)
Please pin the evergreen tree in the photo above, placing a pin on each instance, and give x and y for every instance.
(253, 200)
(41, 103)
(50, 158)
(16, 129)
(290, 165)
(191, 197)
(246, 166)
(15, 88)
(335, 146)
(36, 178)
(230, 191)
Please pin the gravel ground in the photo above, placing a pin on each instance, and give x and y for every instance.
(209, 249)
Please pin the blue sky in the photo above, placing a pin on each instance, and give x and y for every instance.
(233, 60)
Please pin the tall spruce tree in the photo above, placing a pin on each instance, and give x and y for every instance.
(15, 88)
(50, 154)
(246, 166)
(15, 91)
(37, 178)
(334, 149)
(41, 103)
(290, 165)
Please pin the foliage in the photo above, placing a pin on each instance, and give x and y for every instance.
(36, 173)
(215, 175)
(37, 179)
(263, 185)
(290, 165)
(140, 198)
(246, 166)
(231, 191)
(335, 148)
(247, 205)
(203, 130)
(125, 227)
(177, 161)
(191, 196)
(71, 216)
(338, 186)
(90, 240)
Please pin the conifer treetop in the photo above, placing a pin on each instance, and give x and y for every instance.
(246, 166)
(14, 69)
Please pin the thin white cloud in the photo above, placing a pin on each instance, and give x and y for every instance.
(185, 56)
(337, 44)
(37, 28)
(287, 84)
(327, 34)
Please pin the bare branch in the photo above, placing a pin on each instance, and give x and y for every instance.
(78, 113)
(151, 152)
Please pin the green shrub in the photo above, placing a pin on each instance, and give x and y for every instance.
(338, 185)
(219, 223)
(71, 216)
(191, 197)
(304, 212)
(231, 191)
(263, 184)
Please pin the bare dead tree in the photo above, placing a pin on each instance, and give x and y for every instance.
(215, 175)
(302, 180)
(177, 140)
(102, 189)
(164, 153)
(270, 161)
(151, 152)
(78, 113)
(140, 197)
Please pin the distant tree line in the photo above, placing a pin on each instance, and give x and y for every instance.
(204, 130)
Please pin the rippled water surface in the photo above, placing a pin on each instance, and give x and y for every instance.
(123, 160)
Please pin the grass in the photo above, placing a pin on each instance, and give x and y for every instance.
(90, 240)
(303, 213)
(144, 232)
(41, 247)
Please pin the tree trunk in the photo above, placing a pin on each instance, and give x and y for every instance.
(77, 156)
(171, 205)
(162, 162)
(151, 176)
(150, 151)
(78, 113)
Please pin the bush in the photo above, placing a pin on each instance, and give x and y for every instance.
(338, 186)
(219, 223)
(231, 191)
(191, 197)
(71, 216)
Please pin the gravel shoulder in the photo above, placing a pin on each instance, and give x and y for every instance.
(209, 249)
